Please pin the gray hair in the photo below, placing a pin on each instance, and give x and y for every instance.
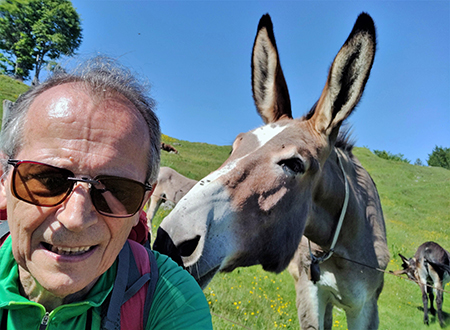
(99, 74)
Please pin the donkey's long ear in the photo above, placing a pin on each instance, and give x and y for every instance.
(405, 260)
(269, 87)
(347, 78)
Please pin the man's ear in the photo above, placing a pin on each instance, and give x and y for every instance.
(153, 189)
(3, 183)
(147, 196)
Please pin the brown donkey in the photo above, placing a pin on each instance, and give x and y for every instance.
(289, 178)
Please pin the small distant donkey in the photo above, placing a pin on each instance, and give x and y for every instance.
(170, 189)
(429, 266)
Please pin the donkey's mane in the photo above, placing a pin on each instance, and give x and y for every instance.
(344, 141)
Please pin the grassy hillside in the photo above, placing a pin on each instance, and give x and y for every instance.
(416, 205)
(194, 160)
(10, 89)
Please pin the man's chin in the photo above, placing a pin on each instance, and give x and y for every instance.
(49, 281)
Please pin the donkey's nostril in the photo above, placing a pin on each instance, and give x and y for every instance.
(188, 247)
(165, 245)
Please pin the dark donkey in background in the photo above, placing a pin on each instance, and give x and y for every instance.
(430, 268)
(289, 178)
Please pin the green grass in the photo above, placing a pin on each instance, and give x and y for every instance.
(194, 160)
(416, 206)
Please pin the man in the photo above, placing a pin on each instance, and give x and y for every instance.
(80, 155)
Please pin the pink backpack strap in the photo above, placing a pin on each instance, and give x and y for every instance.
(134, 286)
(132, 311)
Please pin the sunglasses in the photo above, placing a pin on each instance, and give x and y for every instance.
(46, 185)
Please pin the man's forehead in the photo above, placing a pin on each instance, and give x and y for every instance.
(75, 100)
(66, 124)
(69, 111)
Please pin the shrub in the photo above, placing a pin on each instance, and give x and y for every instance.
(389, 156)
(440, 157)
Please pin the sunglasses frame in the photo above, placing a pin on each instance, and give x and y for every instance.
(92, 183)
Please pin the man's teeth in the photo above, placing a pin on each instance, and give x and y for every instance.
(70, 251)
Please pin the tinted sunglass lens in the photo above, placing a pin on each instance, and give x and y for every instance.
(45, 185)
(41, 184)
(120, 198)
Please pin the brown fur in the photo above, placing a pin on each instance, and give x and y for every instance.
(169, 148)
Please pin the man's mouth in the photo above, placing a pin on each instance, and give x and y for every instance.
(67, 251)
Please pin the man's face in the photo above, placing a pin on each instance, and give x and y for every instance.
(66, 128)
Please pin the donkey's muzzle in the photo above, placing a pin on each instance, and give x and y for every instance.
(164, 244)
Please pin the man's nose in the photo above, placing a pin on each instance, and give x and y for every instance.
(77, 212)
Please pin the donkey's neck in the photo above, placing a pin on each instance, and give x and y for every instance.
(328, 201)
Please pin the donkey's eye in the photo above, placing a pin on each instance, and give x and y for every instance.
(293, 164)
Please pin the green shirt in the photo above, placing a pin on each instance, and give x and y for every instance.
(178, 301)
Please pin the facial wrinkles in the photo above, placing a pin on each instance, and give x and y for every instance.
(73, 137)
(128, 126)
(93, 135)
(19, 229)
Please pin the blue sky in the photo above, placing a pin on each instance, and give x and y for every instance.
(196, 56)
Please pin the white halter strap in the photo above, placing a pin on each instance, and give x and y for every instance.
(328, 255)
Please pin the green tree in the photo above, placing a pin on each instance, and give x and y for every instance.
(389, 156)
(439, 157)
(16, 38)
(36, 32)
